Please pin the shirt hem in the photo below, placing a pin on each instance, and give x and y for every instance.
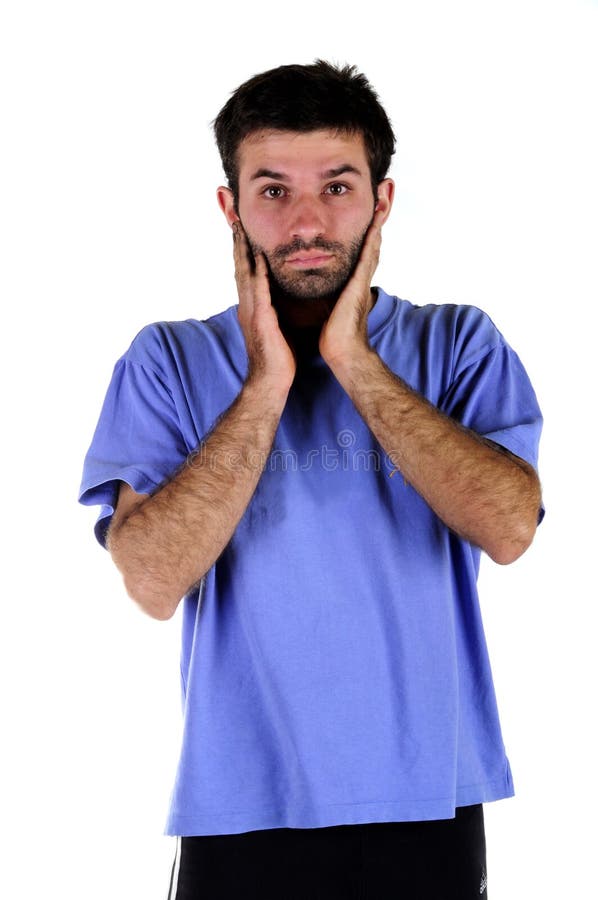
(337, 814)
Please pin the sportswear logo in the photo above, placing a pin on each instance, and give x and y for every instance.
(483, 882)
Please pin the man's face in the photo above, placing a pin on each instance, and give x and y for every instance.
(306, 202)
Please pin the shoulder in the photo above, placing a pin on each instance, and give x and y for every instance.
(456, 320)
(161, 345)
(462, 331)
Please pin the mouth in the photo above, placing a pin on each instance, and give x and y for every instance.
(309, 260)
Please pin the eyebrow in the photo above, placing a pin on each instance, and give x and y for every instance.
(329, 173)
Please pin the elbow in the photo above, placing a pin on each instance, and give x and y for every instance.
(507, 553)
(519, 528)
(162, 612)
(152, 602)
(142, 586)
(513, 544)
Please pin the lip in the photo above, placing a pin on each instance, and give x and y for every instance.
(307, 261)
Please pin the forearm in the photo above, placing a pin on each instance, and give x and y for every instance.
(483, 494)
(169, 541)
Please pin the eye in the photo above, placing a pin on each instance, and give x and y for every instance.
(337, 189)
(273, 192)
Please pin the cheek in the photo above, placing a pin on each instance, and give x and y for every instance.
(351, 218)
(263, 226)
(269, 225)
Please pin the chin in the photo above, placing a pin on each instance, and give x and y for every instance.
(311, 288)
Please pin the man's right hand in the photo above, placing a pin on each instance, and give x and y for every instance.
(270, 356)
(164, 543)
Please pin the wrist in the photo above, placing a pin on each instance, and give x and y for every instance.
(351, 360)
(266, 390)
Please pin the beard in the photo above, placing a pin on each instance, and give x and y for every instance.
(304, 299)
(321, 286)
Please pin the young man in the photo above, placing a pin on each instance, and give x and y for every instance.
(316, 470)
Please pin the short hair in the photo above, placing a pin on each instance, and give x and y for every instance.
(305, 98)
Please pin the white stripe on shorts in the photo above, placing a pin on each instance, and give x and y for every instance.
(175, 871)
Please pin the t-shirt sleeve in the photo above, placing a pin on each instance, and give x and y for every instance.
(137, 440)
(491, 393)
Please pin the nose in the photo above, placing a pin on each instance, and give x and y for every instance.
(307, 219)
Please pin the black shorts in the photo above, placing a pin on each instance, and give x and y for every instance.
(437, 860)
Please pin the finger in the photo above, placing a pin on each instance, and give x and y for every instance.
(242, 251)
(375, 230)
(260, 264)
(243, 275)
(374, 236)
(262, 281)
(370, 252)
(249, 265)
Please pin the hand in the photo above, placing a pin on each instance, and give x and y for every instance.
(345, 332)
(269, 353)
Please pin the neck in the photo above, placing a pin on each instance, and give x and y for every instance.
(298, 314)
(301, 320)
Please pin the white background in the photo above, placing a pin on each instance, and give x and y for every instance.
(109, 221)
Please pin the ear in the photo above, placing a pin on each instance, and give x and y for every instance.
(385, 197)
(226, 202)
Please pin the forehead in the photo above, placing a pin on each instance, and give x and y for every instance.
(295, 152)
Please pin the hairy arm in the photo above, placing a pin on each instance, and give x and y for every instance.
(165, 543)
(479, 490)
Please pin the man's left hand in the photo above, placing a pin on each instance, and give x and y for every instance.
(345, 332)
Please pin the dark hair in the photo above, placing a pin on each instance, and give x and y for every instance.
(305, 98)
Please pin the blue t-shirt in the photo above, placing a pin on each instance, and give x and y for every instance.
(334, 666)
